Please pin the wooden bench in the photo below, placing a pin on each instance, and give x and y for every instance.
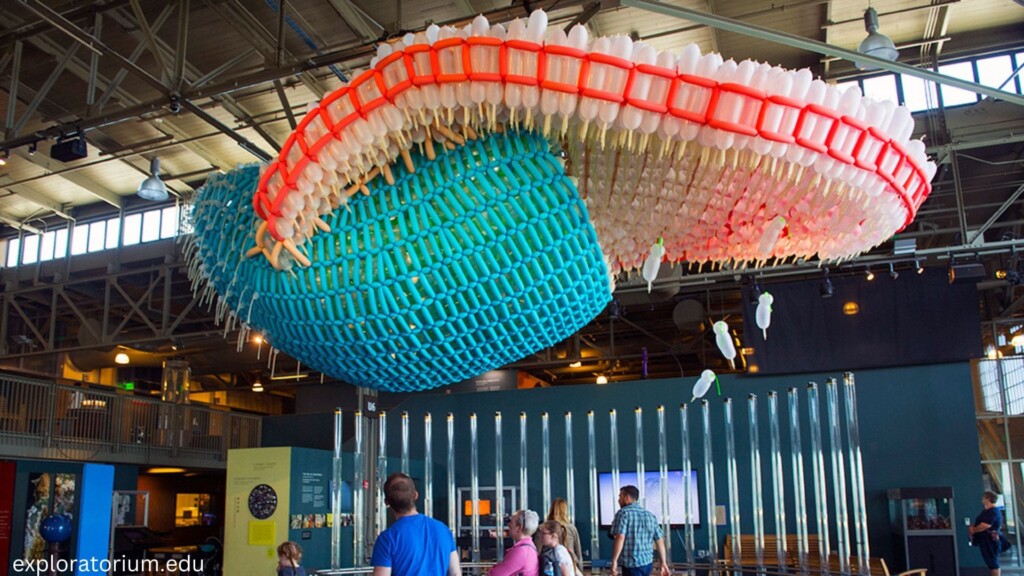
(748, 556)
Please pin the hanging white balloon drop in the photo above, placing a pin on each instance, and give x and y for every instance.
(700, 388)
(653, 263)
(764, 312)
(724, 341)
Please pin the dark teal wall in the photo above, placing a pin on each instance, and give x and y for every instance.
(917, 429)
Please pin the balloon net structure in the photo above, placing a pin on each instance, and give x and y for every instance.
(739, 164)
(464, 265)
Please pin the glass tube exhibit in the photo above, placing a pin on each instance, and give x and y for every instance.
(465, 490)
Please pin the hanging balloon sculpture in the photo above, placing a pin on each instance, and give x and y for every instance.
(470, 198)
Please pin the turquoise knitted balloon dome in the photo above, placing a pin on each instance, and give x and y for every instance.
(482, 256)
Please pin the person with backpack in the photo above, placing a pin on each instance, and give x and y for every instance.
(555, 559)
(521, 558)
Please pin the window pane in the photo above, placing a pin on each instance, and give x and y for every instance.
(46, 252)
(919, 94)
(1019, 59)
(31, 253)
(80, 240)
(151, 226)
(13, 251)
(97, 236)
(956, 96)
(994, 71)
(113, 232)
(60, 247)
(132, 229)
(881, 88)
(169, 222)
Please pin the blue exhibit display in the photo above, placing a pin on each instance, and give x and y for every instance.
(309, 513)
(96, 498)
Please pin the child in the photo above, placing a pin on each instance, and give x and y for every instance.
(551, 536)
(289, 554)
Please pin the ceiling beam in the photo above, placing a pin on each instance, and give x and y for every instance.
(38, 199)
(51, 165)
(752, 30)
(362, 27)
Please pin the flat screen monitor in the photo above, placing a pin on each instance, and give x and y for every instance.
(609, 496)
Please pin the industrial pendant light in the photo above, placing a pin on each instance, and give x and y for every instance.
(153, 188)
(876, 44)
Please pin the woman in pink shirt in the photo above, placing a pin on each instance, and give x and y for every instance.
(521, 558)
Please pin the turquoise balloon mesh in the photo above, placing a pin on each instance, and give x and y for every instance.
(479, 258)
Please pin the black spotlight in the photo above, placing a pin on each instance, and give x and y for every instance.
(825, 288)
(755, 294)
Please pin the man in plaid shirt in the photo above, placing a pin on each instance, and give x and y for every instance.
(635, 530)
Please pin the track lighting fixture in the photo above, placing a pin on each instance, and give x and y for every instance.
(870, 275)
(825, 289)
(892, 272)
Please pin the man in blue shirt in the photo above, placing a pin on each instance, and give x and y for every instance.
(636, 532)
(414, 544)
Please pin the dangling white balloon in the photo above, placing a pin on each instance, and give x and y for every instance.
(653, 263)
(724, 341)
(700, 388)
(764, 312)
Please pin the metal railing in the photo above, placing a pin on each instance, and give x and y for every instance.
(67, 421)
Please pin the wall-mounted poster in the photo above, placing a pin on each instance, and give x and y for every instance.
(38, 508)
(262, 501)
(64, 495)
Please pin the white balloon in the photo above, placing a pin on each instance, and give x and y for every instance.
(724, 341)
(764, 312)
(700, 388)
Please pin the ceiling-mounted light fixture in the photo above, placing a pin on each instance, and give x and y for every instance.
(122, 358)
(257, 386)
(876, 44)
(892, 272)
(576, 364)
(602, 379)
(153, 188)
(4, 155)
(32, 149)
(917, 265)
(870, 275)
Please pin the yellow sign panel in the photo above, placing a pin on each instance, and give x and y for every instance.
(262, 533)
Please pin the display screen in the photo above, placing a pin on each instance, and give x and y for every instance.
(609, 496)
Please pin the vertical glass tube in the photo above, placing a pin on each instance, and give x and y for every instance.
(860, 515)
(818, 469)
(405, 442)
(835, 448)
(545, 445)
(499, 485)
(732, 477)
(474, 487)
(666, 518)
(523, 467)
(595, 543)
(641, 471)
(778, 488)
(382, 470)
(755, 481)
(613, 431)
(570, 479)
(336, 493)
(358, 509)
(799, 494)
(709, 481)
(452, 504)
(684, 433)
(428, 466)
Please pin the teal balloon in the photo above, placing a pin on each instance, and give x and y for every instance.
(477, 259)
